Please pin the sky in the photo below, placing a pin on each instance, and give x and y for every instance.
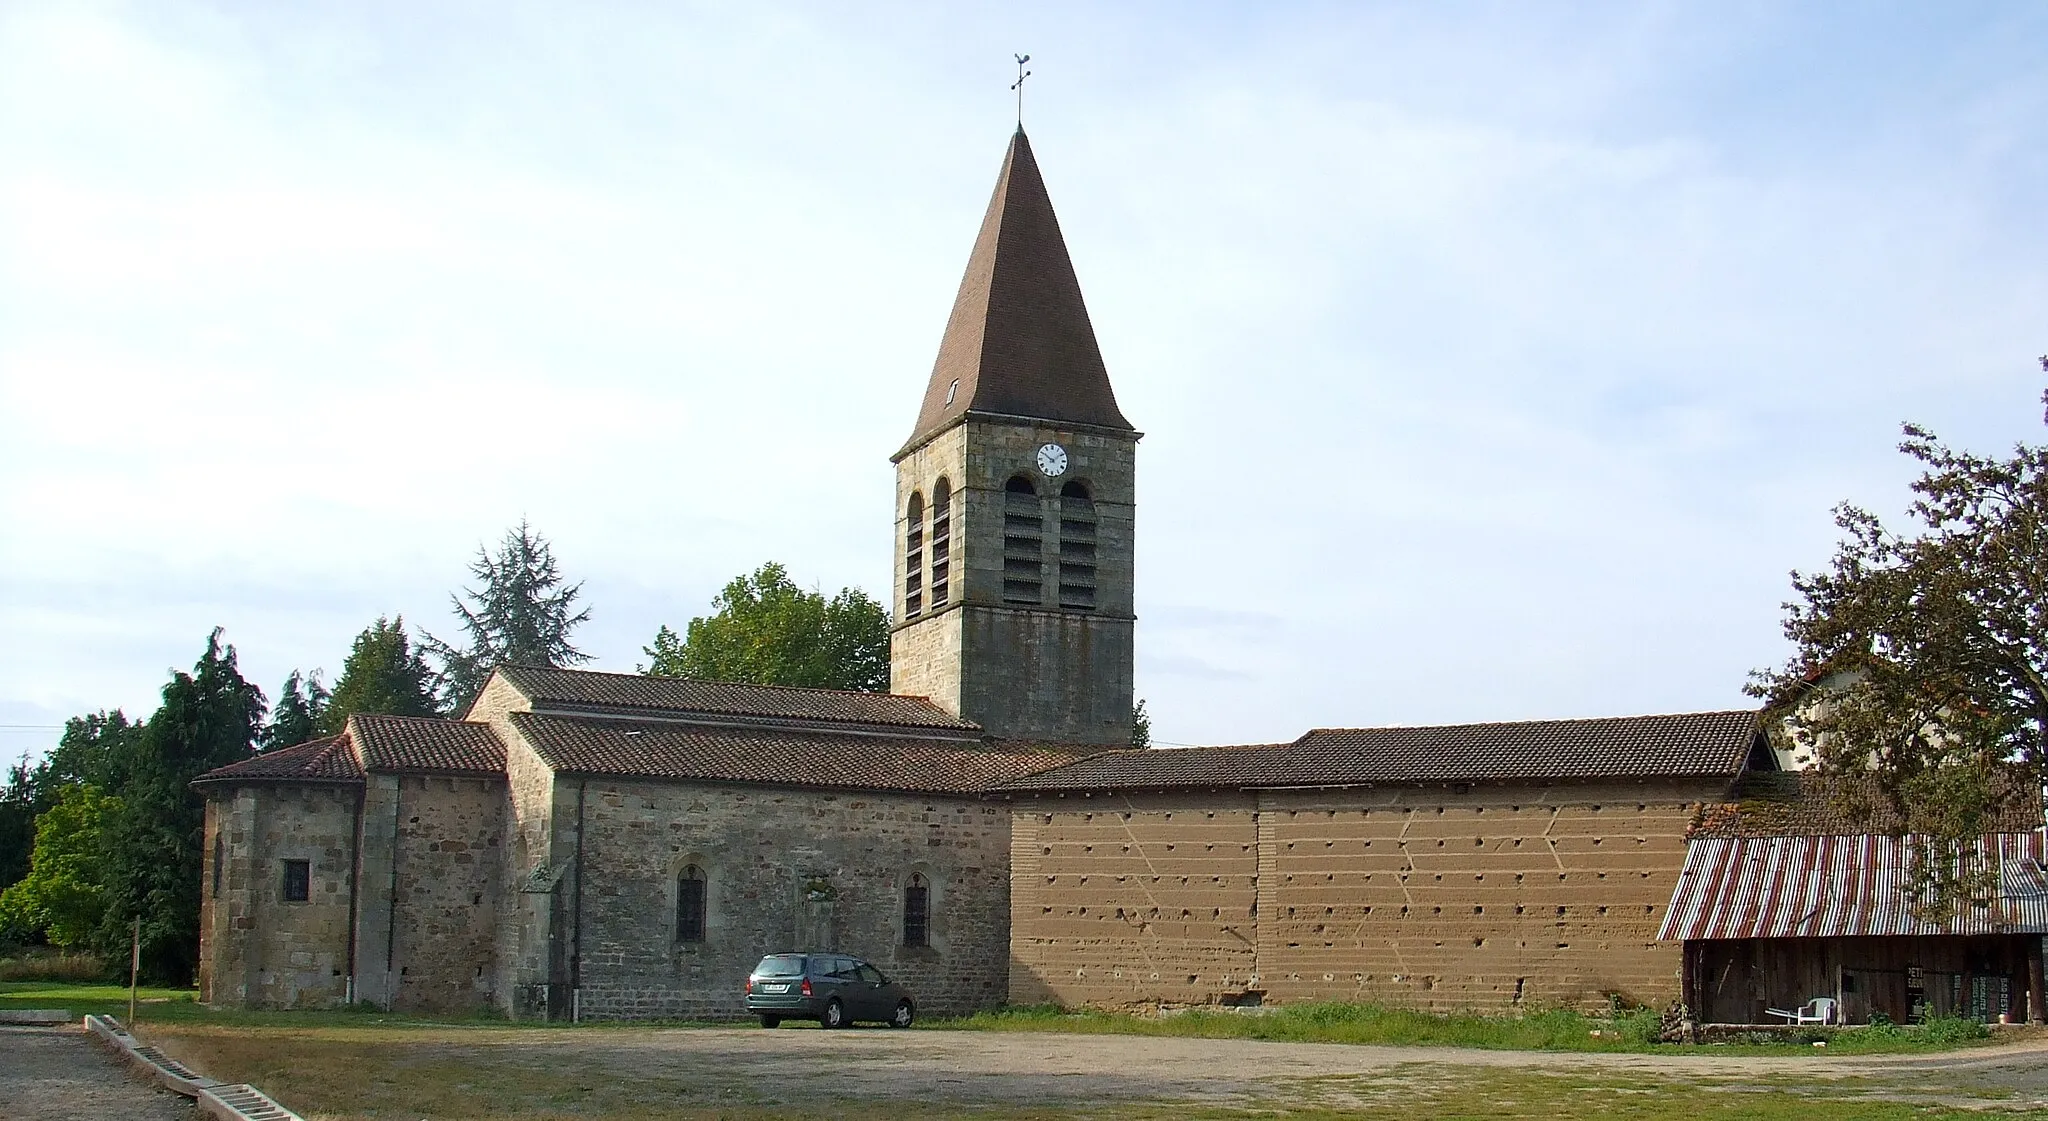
(1496, 361)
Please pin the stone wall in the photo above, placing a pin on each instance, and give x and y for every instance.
(256, 949)
(450, 877)
(1489, 897)
(784, 870)
(532, 877)
(1035, 671)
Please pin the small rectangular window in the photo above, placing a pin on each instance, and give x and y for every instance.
(298, 881)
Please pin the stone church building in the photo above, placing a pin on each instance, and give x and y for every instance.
(593, 845)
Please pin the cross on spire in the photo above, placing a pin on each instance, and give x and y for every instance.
(1018, 85)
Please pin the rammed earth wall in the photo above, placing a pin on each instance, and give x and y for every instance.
(784, 870)
(1488, 897)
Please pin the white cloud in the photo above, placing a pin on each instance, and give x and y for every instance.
(1494, 362)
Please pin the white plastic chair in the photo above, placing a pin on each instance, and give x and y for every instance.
(1819, 1010)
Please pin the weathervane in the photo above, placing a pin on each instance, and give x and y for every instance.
(1018, 85)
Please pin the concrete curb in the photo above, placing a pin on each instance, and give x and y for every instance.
(35, 1016)
(229, 1101)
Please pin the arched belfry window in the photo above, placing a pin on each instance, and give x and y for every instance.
(942, 542)
(1023, 543)
(1077, 547)
(690, 904)
(917, 911)
(913, 556)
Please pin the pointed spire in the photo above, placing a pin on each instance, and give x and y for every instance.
(1019, 342)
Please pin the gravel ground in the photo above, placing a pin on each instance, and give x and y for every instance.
(1027, 1067)
(61, 1072)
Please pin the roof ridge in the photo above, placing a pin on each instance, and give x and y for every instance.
(721, 681)
(1530, 722)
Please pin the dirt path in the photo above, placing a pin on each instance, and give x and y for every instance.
(59, 1072)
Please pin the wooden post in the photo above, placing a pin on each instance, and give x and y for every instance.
(2036, 1007)
(1689, 981)
(134, 967)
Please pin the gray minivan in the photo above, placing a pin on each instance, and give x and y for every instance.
(833, 989)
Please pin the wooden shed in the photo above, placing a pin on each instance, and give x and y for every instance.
(1774, 910)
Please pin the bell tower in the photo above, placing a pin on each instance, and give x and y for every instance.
(1015, 497)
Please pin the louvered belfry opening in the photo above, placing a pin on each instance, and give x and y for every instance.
(1023, 542)
(1077, 548)
(913, 556)
(942, 542)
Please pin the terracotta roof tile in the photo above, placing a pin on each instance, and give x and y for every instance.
(775, 756)
(411, 743)
(573, 690)
(1813, 804)
(324, 760)
(1019, 341)
(1686, 744)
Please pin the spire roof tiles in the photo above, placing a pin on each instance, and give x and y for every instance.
(1019, 341)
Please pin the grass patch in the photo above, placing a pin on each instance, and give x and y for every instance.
(1554, 1030)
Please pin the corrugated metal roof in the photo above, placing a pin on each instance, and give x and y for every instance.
(1840, 886)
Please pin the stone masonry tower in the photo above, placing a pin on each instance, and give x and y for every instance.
(1014, 497)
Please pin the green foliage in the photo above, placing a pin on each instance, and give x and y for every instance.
(1930, 653)
(522, 614)
(383, 675)
(62, 898)
(1950, 1030)
(301, 705)
(97, 749)
(765, 630)
(1141, 726)
(152, 843)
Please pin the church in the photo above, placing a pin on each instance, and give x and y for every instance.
(583, 845)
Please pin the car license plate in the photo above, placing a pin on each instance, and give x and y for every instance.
(774, 988)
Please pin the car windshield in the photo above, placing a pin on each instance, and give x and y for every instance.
(779, 967)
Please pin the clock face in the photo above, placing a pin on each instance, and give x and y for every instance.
(1052, 459)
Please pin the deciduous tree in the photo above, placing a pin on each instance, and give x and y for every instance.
(765, 630)
(63, 897)
(1934, 645)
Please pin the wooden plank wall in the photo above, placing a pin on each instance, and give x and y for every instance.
(1976, 977)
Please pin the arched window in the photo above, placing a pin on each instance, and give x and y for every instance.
(1077, 548)
(942, 542)
(917, 911)
(690, 904)
(913, 556)
(1023, 543)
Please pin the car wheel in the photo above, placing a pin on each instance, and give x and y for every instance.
(771, 1021)
(834, 1017)
(903, 1015)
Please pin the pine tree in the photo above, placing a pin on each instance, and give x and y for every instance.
(522, 614)
(384, 674)
(301, 705)
(151, 845)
